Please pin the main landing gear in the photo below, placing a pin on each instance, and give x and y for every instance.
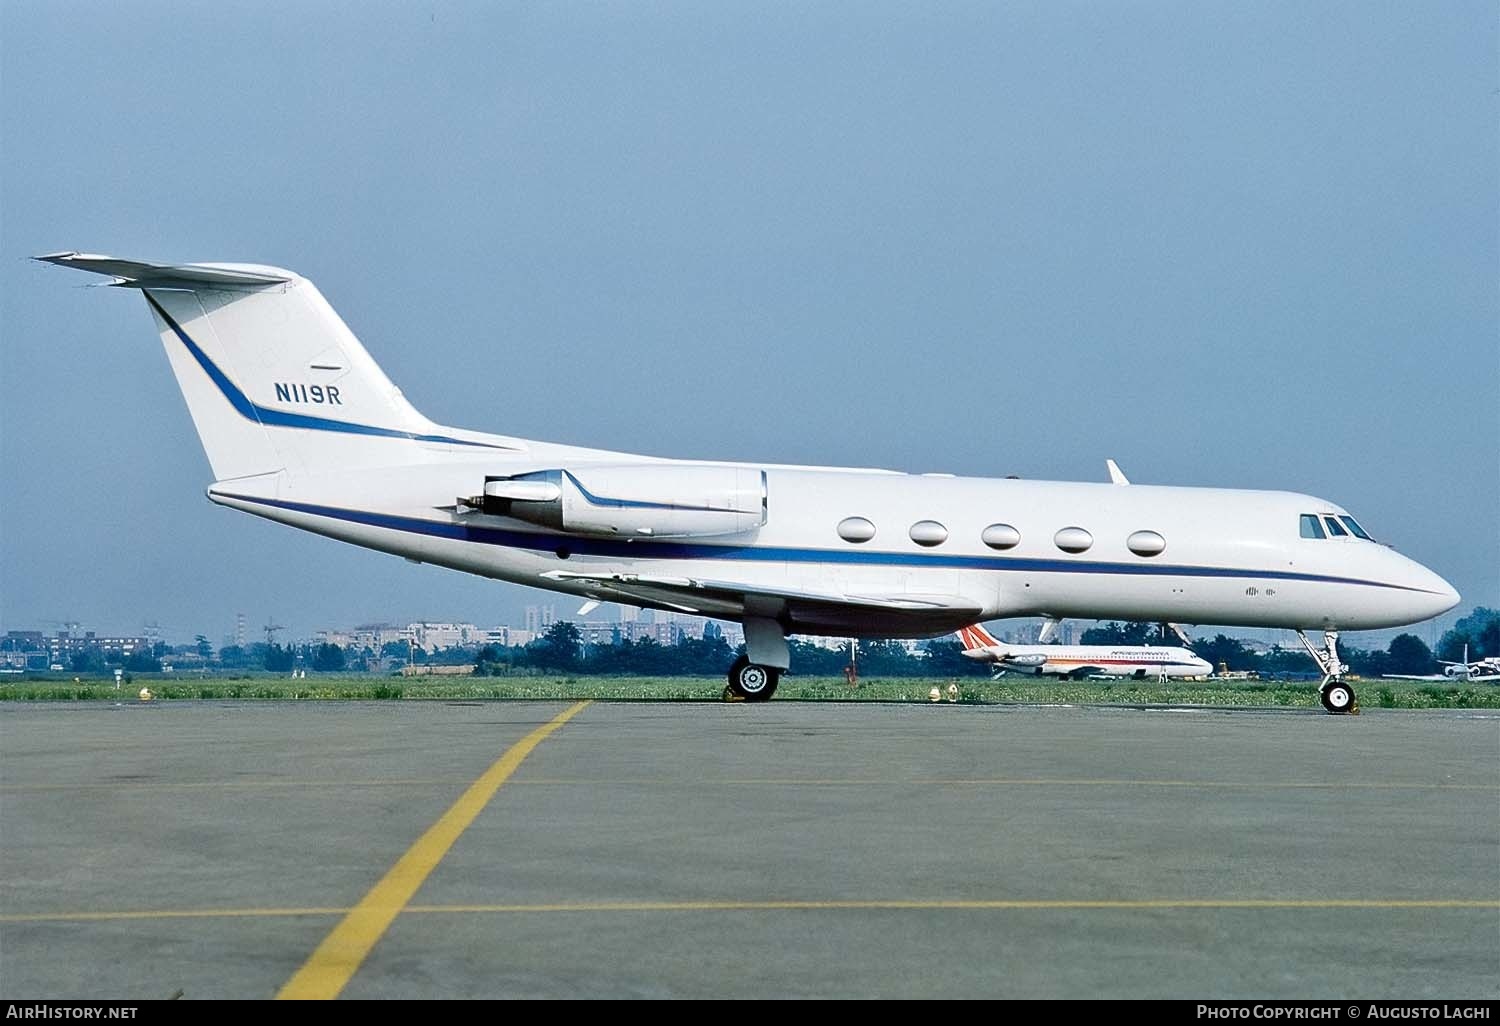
(754, 675)
(751, 682)
(1337, 696)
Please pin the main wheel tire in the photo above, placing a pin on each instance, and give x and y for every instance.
(751, 681)
(1337, 697)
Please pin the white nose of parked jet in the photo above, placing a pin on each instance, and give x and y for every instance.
(1431, 595)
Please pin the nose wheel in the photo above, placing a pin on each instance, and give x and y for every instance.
(1337, 696)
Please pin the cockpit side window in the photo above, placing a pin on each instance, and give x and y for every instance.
(1312, 527)
(1335, 529)
(1353, 525)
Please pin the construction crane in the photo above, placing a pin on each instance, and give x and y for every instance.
(271, 629)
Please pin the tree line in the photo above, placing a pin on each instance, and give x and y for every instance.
(562, 650)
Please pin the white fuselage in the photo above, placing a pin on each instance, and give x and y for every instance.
(1230, 557)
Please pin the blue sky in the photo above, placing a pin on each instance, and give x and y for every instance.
(1246, 245)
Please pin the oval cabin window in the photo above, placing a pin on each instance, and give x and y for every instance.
(1001, 536)
(928, 533)
(1146, 543)
(1073, 539)
(856, 529)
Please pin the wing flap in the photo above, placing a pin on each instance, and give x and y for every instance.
(798, 605)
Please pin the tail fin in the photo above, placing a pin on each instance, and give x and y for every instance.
(273, 378)
(975, 638)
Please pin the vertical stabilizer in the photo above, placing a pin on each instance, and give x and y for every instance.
(272, 376)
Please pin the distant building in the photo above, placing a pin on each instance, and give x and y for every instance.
(435, 636)
(1025, 634)
(15, 661)
(662, 628)
(23, 641)
(601, 633)
(661, 633)
(65, 644)
(539, 618)
(376, 636)
(508, 637)
(832, 644)
(23, 650)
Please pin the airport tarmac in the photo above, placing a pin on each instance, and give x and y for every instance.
(786, 850)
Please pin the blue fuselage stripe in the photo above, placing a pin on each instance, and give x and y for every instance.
(644, 549)
(282, 418)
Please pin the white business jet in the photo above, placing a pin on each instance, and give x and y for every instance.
(1484, 671)
(1077, 661)
(302, 427)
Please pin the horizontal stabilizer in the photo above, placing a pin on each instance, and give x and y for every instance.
(139, 274)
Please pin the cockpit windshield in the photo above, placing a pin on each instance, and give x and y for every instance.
(1353, 525)
(1330, 525)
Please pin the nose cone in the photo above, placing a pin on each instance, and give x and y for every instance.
(1432, 595)
(1448, 596)
(1202, 668)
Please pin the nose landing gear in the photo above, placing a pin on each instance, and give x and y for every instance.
(1337, 696)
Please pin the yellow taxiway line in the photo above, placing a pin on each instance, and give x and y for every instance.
(338, 958)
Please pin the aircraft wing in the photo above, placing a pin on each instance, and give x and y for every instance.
(807, 609)
(1086, 671)
(1411, 676)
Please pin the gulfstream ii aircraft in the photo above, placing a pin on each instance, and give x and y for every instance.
(302, 427)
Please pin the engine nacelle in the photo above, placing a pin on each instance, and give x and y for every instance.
(636, 500)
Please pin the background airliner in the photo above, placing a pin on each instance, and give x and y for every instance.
(1074, 661)
(301, 426)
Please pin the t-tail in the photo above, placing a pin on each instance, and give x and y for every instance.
(273, 378)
